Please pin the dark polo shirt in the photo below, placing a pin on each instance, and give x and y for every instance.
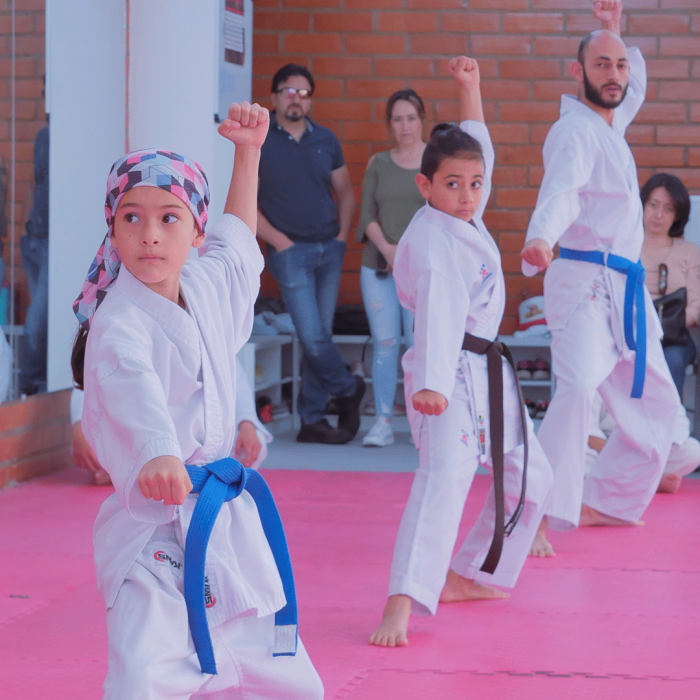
(295, 192)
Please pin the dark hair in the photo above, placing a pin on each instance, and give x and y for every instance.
(288, 71)
(679, 195)
(448, 141)
(583, 46)
(77, 358)
(409, 96)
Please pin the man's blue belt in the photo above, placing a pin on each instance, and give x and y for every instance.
(217, 483)
(634, 297)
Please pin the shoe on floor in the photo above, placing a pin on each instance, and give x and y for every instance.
(379, 435)
(322, 431)
(349, 407)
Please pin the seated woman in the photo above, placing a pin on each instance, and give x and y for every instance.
(670, 261)
(390, 198)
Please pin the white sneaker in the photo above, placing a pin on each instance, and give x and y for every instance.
(380, 435)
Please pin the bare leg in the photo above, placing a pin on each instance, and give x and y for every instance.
(541, 547)
(393, 629)
(590, 517)
(458, 589)
(670, 483)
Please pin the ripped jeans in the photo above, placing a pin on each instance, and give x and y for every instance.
(386, 318)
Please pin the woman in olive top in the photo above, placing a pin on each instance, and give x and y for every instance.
(390, 198)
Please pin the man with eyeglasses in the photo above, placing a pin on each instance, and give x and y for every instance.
(306, 204)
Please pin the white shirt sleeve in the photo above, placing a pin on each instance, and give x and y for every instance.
(230, 252)
(480, 132)
(77, 398)
(127, 423)
(636, 91)
(245, 403)
(568, 165)
(442, 307)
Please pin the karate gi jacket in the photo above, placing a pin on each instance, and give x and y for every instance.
(161, 380)
(448, 273)
(589, 199)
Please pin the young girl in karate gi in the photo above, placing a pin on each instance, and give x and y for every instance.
(159, 377)
(448, 273)
(252, 437)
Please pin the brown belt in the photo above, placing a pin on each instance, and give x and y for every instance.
(494, 350)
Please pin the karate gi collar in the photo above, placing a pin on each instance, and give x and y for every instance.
(570, 104)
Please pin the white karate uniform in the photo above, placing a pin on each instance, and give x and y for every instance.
(589, 200)
(161, 380)
(685, 450)
(448, 274)
(245, 410)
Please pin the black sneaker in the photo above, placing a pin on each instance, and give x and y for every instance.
(349, 407)
(322, 431)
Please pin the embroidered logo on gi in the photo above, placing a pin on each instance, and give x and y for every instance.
(167, 559)
(482, 434)
(465, 438)
(485, 274)
(209, 599)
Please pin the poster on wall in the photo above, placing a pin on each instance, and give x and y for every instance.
(235, 53)
(234, 32)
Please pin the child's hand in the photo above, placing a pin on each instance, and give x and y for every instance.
(607, 11)
(537, 252)
(465, 71)
(429, 402)
(247, 444)
(246, 124)
(165, 479)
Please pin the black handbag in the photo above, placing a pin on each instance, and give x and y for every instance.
(671, 310)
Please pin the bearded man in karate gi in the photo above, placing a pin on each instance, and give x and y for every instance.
(595, 299)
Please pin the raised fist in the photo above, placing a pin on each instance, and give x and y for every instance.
(246, 124)
(465, 71)
(607, 11)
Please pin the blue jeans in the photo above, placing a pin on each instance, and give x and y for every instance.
(35, 259)
(386, 317)
(309, 277)
(678, 357)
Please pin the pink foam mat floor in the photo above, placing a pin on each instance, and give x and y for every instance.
(614, 616)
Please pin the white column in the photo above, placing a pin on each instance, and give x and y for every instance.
(86, 94)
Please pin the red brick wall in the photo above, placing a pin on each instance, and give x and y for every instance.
(35, 437)
(360, 51)
(30, 56)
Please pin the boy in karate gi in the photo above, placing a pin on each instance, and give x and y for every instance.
(200, 600)
(605, 332)
(448, 273)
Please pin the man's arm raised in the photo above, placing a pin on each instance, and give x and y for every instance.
(609, 13)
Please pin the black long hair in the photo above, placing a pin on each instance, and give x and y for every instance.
(77, 357)
(679, 195)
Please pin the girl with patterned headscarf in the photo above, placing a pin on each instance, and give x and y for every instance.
(156, 355)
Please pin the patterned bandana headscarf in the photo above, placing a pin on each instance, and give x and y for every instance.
(164, 169)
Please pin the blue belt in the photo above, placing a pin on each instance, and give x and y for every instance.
(634, 296)
(217, 483)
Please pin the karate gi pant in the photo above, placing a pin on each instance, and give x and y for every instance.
(152, 655)
(587, 356)
(448, 459)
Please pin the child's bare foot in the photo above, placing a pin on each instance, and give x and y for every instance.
(670, 483)
(590, 517)
(541, 547)
(458, 589)
(393, 629)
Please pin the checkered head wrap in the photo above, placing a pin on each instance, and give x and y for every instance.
(164, 169)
